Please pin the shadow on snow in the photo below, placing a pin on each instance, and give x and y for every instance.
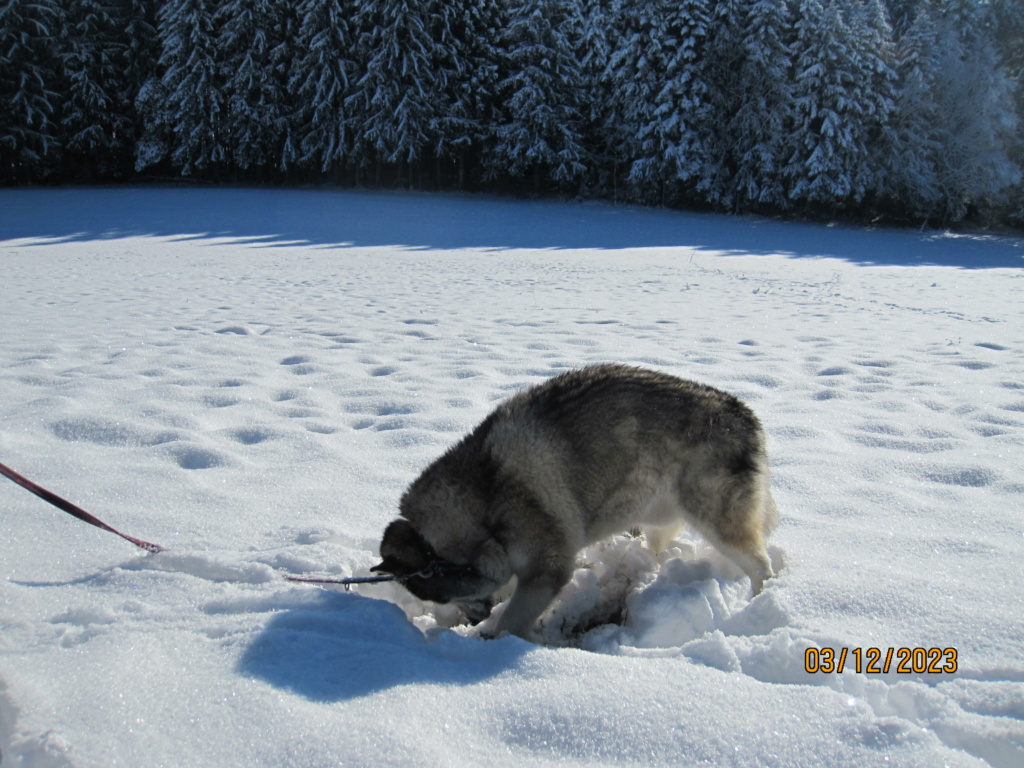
(339, 219)
(343, 646)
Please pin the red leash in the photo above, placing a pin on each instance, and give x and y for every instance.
(81, 514)
(73, 509)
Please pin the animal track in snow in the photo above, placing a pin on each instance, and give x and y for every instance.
(221, 401)
(193, 457)
(104, 431)
(836, 370)
(974, 365)
(971, 477)
(828, 394)
(251, 435)
(302, 413)
(902, 444)
(321, 429)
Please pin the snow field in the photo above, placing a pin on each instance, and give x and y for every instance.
(251, 378)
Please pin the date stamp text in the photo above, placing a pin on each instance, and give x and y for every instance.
(881, 661)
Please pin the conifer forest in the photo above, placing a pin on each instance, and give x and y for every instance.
(908, 111)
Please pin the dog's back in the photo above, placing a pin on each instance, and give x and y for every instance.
(631, 446)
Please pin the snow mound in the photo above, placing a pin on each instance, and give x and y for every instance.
(623, 595)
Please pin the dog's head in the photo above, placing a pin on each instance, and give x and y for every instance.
(409, 557)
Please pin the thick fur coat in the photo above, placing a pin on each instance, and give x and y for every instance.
(561, 465)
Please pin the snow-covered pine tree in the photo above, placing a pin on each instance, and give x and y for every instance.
(593, 43)
(319, 81)
(1008, 36)
(722, 72)
(183, 109)
(465, 37)
(761, 107)
(633, 77)
(141, 49)
(672, 138)
(96, 125)
(29, 139)
(871, 41)
(137, 19)
(976, 115)
(394, 103)
(902, 13)
(539, 124)
(820, 133)
(837, 109)
(1009, 39)
(155, 136)
(253, 65)
(907, 154)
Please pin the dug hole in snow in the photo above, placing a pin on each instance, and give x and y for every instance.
(623, 595)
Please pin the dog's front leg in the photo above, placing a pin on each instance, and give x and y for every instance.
(534, 593)
(491, 562)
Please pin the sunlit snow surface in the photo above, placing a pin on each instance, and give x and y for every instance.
(251, 378)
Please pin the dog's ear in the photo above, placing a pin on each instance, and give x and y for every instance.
(403, 550)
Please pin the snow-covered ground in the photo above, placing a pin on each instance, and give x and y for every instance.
(251, 378)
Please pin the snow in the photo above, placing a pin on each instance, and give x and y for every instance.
(252, 377)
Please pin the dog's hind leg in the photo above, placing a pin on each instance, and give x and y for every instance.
(753, 561)
(737, 518)
(659, 537)
(740, 534)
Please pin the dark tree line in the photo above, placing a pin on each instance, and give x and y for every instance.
(909, 109)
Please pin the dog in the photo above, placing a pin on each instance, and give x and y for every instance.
(584, 455)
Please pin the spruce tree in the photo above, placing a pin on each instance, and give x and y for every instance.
(393, 105)
(976, 118)
(760, 109)
(29, 78)
(140, 41)
(1009, 39)
(183, 109)
(465, 38)
(672, 136)
(834, 110)
(320, 80)
(593, 44)
(96, 123)
(721, 69)
(252, 65)
(539, 125)
(908, 182)
(874, 58)
(140, 47)
(634, 75)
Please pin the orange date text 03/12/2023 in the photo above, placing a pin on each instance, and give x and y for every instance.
(881, 661)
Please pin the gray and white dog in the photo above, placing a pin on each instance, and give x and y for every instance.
(569, 462)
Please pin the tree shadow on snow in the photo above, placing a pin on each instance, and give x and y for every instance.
(439, 221)
(340, 646)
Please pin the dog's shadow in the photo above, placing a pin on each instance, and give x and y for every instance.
(342, 646)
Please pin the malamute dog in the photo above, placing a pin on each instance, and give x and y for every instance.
(564, 464)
